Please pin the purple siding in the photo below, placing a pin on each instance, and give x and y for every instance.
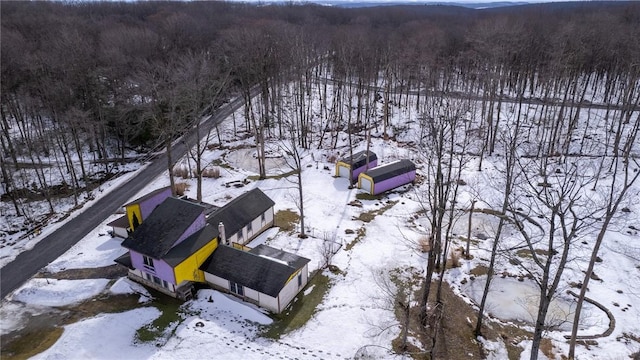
(160, 268)
(147, 206)
(200, 223)
(356, 172)
(394, 182)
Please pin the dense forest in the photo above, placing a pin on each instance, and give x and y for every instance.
(89, 86)
(92, 82)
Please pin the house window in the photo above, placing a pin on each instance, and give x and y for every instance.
(250, 228)
(240, 236)
(148, 262)
(157, 280)
(236, 288)
(164, 284)
(263, 219)
(299, 280)
(147, 276)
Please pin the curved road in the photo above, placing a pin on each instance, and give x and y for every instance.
(29, 262)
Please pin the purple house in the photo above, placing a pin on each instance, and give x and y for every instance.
(388, 176)
(163, 246)
(167, 249)
(356, 164)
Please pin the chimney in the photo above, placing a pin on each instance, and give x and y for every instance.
(223, 235)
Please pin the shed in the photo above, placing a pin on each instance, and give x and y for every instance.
(388, 176)
(356, 164)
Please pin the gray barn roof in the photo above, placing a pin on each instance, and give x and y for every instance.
(147, 196)
(190, 245)
(159, 232)
(240, 211)
(292, 260)
(359, 159)
(390, 170)
(250, 270)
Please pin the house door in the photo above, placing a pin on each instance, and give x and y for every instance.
(344, 171)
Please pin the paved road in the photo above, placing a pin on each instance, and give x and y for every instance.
(29, 262)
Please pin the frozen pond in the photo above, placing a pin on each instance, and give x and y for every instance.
(510, 299)
(246, 159)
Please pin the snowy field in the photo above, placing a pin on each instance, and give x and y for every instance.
(351, 315)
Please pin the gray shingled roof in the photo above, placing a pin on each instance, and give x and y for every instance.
(159, 232)
(121, 222)
(292, 260)
(190, 245)
(250, 270)
(359, 159)
(147, 196)
(240, 211)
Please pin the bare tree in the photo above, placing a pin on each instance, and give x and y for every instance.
(293, 158)
(625, 172)
(556, 199)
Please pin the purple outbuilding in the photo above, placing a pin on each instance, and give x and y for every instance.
(357, 163)
(388, 176)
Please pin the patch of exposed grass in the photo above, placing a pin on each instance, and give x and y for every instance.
(479, 270)
(526, 253)
(370, 215)
(367, 196)
(454, 337)
(170, 315)
(277, 176)
(361, 233)
(220, 163)
(33, 343)
(301, 310)
(286, 220)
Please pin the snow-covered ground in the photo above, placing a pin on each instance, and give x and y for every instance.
(352, 314)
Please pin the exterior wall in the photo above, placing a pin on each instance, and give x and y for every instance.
(252, 295)
(160, 268)
(120, 232)
(198, 224)
(291, 289)
(188, 270)
(216, 281)
(257, 227)
(233, 238)
(269, 303)
(140, 277)
(269, 217)
(134, 209)
(264, 301)
(362, 169)
(147, 206)
(394, 182)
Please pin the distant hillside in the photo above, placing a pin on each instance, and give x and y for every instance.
(471, 5)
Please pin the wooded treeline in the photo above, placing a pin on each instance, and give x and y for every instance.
(99, 79)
